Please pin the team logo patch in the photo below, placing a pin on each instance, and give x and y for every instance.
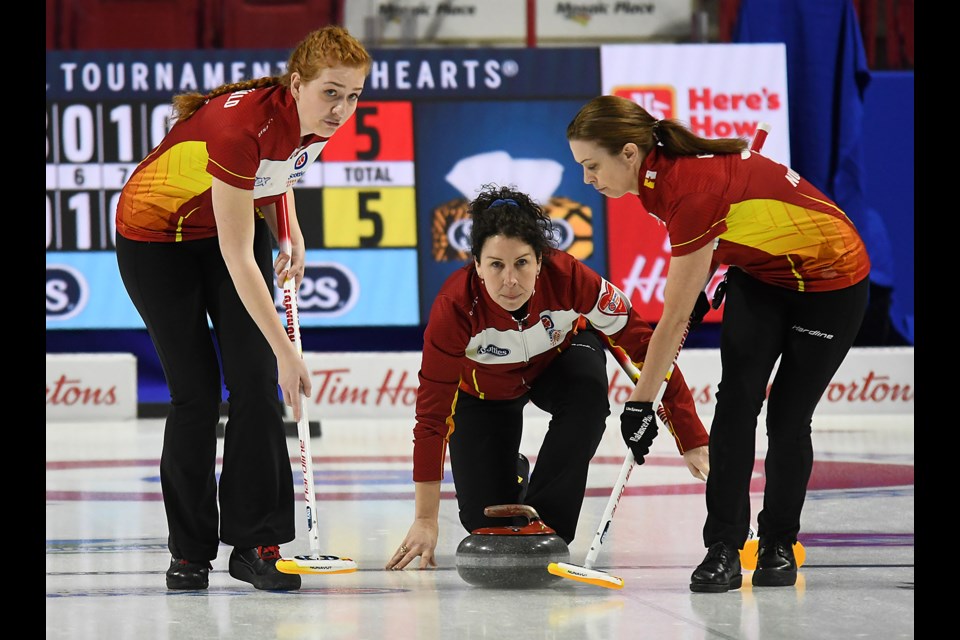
(553, 333)
(611, 301)
(301, 161)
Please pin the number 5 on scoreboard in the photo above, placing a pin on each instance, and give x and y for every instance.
(369, 217)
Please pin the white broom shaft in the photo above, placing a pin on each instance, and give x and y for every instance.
(306, 463)
(303, 424)
(631, 370)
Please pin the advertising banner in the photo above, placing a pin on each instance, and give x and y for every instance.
(84, 291)
(871, 381)
(505, 22)
(720, 91)
(373, 287)
(91, 387)
(613, 21)
(409, 22)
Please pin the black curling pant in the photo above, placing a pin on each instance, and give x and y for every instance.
(486, 441)
(174, 287)
(811, 333)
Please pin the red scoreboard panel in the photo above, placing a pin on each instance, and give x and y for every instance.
(368, 196)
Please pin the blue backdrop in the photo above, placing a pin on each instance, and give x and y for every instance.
(858, 153)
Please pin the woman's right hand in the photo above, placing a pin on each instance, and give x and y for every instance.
(698, 462)
(280, 268)
(421, 540)
(290, 267)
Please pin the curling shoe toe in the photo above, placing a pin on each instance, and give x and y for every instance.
(258, 566)
(720, 570)
(776, 565)
(187, 575)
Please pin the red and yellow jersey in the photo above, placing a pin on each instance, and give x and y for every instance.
(764, 218)
(473, 345)
(249, 139)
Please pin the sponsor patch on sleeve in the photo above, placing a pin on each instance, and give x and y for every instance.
(611, 301)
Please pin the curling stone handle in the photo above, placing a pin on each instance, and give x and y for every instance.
(511, 510)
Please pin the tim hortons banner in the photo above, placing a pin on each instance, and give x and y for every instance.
(384, 384)
(86, 387)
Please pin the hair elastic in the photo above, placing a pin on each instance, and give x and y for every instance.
(502, 201)
(654, 131)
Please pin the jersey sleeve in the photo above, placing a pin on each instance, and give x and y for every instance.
(233, 154)
(444, 344)
(694, 220)
(679, 414)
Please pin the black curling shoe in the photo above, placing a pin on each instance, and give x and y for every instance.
(258, 566)
(184, 574)
(776, 565)
(720, 570)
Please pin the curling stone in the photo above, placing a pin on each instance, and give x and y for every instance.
(511, 557)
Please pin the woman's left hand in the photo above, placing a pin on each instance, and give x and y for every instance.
(421, 541)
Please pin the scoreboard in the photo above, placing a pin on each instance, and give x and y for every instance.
(370, 208)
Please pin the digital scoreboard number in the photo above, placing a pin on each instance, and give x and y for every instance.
(359, 194)
(91, 150)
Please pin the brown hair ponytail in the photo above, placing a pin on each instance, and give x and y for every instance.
(611, 121)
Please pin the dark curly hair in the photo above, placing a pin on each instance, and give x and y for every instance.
(510, 213)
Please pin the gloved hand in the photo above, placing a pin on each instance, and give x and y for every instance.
(700, 309)
(638, 424)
